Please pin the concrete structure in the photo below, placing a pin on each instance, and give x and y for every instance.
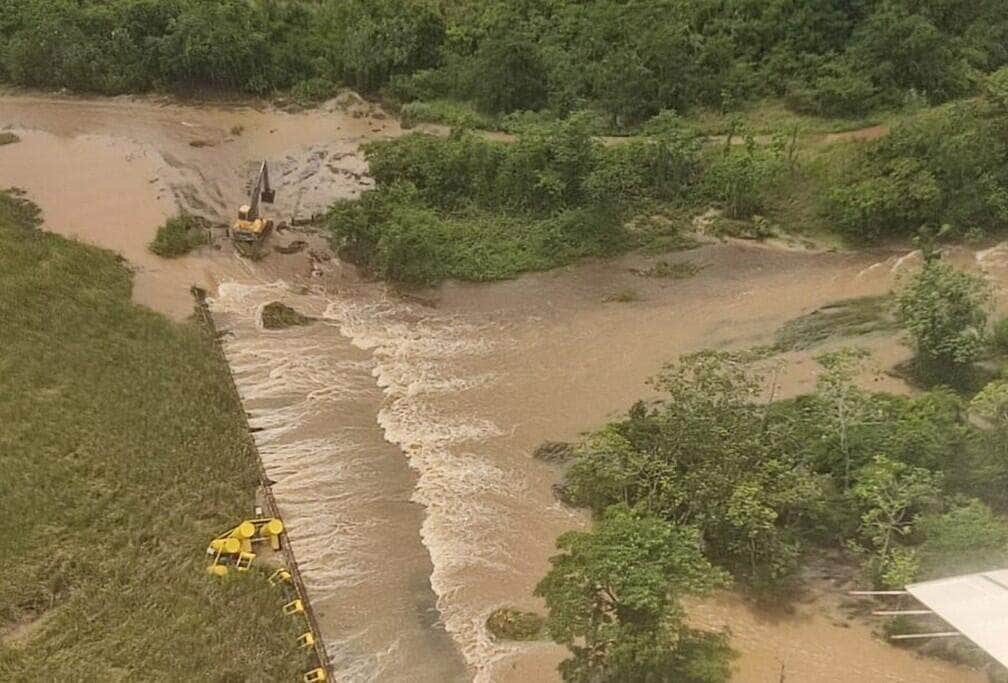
(975, 605)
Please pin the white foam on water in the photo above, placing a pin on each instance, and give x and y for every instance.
(322, 477)
(419, 359)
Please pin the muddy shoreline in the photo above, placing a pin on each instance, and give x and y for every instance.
(400, 433)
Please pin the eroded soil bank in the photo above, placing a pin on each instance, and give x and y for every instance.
(400, 429)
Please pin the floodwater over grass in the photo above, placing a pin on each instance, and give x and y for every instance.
(399, 428)
(122, 453)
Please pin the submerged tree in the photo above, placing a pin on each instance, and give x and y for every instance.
(614, 598)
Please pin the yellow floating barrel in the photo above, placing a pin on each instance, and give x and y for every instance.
(272, 530)
(226, 546)
(244, 533)
(217, 570)
(244, 530)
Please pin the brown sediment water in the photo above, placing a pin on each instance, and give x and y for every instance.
(399, 430)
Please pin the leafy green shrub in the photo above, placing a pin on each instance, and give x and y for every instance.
(471, 208)
(996, 89)
(396, 235)
(741, 177)
(445, 112)
(180, 235)
(839, 89)
(943, 167)
(663, 167)
(889, 496)
(999, 335)
(707, 455)
(312, 90)
(945, 312)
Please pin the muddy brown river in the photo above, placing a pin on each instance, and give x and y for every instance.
(399, 429)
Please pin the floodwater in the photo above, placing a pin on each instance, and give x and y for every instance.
(399, 428)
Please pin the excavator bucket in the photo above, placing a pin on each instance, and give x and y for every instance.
(268, 196)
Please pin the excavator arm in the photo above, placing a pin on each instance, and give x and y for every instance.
(260, 191)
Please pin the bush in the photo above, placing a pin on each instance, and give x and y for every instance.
(996, 89)
(945, 312)
(614, 598)
(839, 89)
(466, 207)
(943, 167)
(999, 335)
(180, 235)
(740, 178)
(396, 235)
(313, 90)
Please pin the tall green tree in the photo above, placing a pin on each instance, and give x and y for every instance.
(712, 454)
(615, 599)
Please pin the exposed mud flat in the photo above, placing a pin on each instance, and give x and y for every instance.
(110, 171)
(400, 432)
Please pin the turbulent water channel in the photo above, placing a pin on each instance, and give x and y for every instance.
(399, 429)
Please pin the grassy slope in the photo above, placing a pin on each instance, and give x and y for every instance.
(122, 451)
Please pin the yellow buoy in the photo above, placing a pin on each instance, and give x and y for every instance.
(227, 546)
(274, 527)
(217, 570)
(244, 530)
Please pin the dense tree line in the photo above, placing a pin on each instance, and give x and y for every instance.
(629, 60)
(255, 46)
(633, 59)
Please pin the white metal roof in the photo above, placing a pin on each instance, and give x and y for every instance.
(976, 605)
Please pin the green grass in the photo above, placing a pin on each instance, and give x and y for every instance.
(8, 138)
(180, 235)
(447, 113)
(843, 319)
(417, 245)
(773, 116)
(122, 452)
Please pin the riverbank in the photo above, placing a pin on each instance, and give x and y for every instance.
(123, 455)
(400, 428)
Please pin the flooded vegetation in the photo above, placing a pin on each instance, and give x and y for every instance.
(402, 427)
(559, 372)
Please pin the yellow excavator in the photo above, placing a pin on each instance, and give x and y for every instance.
(251, 228)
